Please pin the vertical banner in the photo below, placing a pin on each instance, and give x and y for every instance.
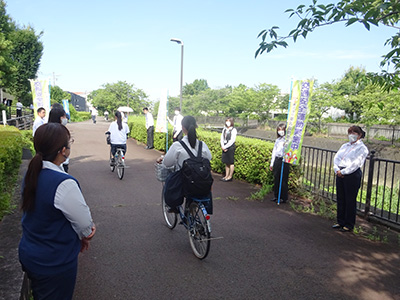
(161, 125)
(297, 119)
(40, 95)
(66, 108)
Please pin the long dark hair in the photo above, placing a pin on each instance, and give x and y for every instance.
(48, 141)
(56, 113)
(119, 119)
(357, 129)
(280, 127)
(189, 123)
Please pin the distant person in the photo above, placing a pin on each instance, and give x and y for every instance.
(348, 162)
(106, 115)
(19, 108)
(32, 108)
(4, 101)
(56, 221)
(118, 133)
(228, 139)
(39, 120)
(94, 114)
(57, 115)
(150, 128)
(277, 164)
(177, 133)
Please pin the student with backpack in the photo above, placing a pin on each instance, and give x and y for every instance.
(192, 172)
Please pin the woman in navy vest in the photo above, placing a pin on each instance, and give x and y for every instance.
(228, 139)
(56, 221)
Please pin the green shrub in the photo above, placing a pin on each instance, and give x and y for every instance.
(78, 116)
(10, 160)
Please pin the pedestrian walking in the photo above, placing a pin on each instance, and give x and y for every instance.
(228, 139)
(56, 222)
(106, 115)
(150, 128)
(94, 114)
(348, 162)
(277, 164)
(177, 133)
(39, 120)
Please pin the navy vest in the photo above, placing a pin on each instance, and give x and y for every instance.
(49, 244)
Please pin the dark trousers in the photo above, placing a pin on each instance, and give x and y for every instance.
(346, 191)
(114, 148)
(19, 113)
(277, 169)
(150, 137)
(60, 286)
(178, 137)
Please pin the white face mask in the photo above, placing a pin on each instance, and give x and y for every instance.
(281, 132)
(228, 124)
(64, 121)
(353, 138)
(177, 112)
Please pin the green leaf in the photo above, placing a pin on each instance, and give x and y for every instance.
(351, 21)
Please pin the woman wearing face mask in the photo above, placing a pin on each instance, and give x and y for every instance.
(56, 222)
(347, 166)
(276, 165)
(57, 115)
(228, 139)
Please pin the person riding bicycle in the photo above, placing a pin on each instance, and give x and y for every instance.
(118, 133)
(176, 155)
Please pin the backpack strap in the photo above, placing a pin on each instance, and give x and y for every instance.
(190, 152)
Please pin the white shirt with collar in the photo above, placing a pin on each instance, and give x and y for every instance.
(350, 157)
(38, 122)
(176, 155)
(70, 201)
(278, 150)
(231, 141)
(149, 120)
(177, 123)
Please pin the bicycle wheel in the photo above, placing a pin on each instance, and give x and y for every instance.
(199, 234)
(170, 218)
(112, 164)
(120, 167)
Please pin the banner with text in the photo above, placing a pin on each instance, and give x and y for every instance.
(66, 107)
(161, 125)
(40, 95)
(299, 109)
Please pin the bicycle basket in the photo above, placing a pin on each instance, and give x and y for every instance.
(162, 172)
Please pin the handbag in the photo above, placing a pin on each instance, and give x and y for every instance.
(173, 189)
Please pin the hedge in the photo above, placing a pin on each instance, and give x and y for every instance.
(10, 160)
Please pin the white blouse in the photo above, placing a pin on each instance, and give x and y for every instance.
(231, 141)
(350, 157)
(278, 149)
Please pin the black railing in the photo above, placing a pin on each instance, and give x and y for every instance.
(379, 193)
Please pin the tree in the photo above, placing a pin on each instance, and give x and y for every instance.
(7, 68)
(57, 94)
(26, 54)
(321, 102)
(199, 85)
(365, 12)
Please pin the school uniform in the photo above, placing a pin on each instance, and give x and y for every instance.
(349, 160)
(228, 139)
(276, 164)
(150, 130)
(118, 137)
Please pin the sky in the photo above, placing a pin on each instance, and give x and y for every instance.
(93, 42)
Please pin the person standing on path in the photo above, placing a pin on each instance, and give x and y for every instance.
(150, 128)
(228, 139)
(41, 114)
(177, 133)
(19, 108)
(57, 115)
(56, 222)
(277, 164)
(348, 162)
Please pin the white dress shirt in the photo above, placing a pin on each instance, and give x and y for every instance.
(176, 155)
(70, 201)
(350, 157)
(177, 123)
(231, 141)
(149, 120)
(278, 150)
(118, 137)
(38, 122)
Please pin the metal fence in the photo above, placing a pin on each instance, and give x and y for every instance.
(379, 195)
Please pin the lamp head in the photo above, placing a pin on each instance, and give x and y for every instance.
(177, 41)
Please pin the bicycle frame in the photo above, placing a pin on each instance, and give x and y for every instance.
(185, 207)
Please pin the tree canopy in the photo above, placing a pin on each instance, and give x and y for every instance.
(366, 12)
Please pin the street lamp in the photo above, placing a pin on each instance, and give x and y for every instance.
(181, 43)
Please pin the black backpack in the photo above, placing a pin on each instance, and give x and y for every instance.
(196, 173)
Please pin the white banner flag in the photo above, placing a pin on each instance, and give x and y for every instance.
(162, 123)
(40, 95)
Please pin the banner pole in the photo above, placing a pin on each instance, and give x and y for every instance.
(166, 126)
(283, 158)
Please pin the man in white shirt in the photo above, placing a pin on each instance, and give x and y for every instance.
(94, 114)
(19, 108)
(150, 128)
(177, 134)
(39, 120)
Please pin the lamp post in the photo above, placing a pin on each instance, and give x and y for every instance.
(181, 43)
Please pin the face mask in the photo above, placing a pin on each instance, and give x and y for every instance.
(176, 112)
(64, 121)
(353, 138)
(281, 133)
(228, 124)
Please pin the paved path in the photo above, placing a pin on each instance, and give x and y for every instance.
(266, 251)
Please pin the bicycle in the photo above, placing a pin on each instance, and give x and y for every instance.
(117, 161)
